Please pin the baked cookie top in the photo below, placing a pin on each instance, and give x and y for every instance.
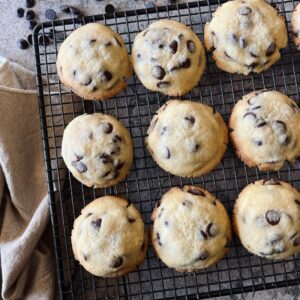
(168, 57)
(295, 22)
(245, 36)
(266, 129)
(191, 229)
(109, 237)
(267, 219)
(187, 138)
(97, 149)
(93, 62)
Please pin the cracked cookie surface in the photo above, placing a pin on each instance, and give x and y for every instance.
(187, 138)
(109, 238)
(245, 36)
(93, 62)
(168, 57)
(97, 149)
(266, 129)
(191, 229)
(267, 219)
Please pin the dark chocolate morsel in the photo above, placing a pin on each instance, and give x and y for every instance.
(87, 81)
(253, 54)
(297, 241)
(174, 68)
(185, 64)
(107, 127)
(203, 255)
(163, 130)
(258, 143)
(167, 153)
(106, 174)
(271, 182)
(166, 223)
(97, 224)
(204, 234)
(119, 165)
(106, 76)
(273, 217)
(145, 32)
(91, 136)
(194, 147)
(117, 262)
(114, 174)
(163, 84)
(233, 37)
(297, 201)
(242, 43)
(85, 256)
(282, 124)
(211, 230)
(262, 124)
(115, 150)
(158, 72)
(105, 158)
(245, 10)
(89, 214)
(180, 36)
(191, 46)
(196, 192)
(117, 139)
(187, 203)
(173, 46)
(190, 119)
(256, 107)
(227, 55)
(107, 44)
(131, 220)
(161, 211)
(271, 49)
(79, 166)
(252, 66)
(158, 239)
(250, 114)
(275, 239)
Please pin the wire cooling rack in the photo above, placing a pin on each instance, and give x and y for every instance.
(239, 271)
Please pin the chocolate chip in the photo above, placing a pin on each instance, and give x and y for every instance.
(20, 12)
(233, 37)
(191, 46)
(211, 230)
(273, 217)
(271, 182)
(242, 43)
(173, 46)
(50, 14)
(87, 82)
(227, 55)
(118, 42)
(143, 246)
(250, 114)
(30, 15)
(161, 211)
(185, 64)
(262, 124)
(282, 124)
(203, 255)
(29, 3)
(106, 76)
(187, 203)
(145, 32)
(297, 201)
(174, 68)
(160, 46)
(114, 174)
(256, 107)
(105, 158)
(107, 127)
(245, 10)
(271, 49)
(196, 192)
(128, 203)
(258, 143)
(65, 8)
(193, 147)
(91, 136)
(158, 72)
(89, 214)
(117, 262)
(253, 54)
(79, 166)
(93, 41)
(75, 11)
(294, 235)
(79, 157)
(85, 256)
(158, 239)
(163, 130)
(23, 44)
(32, 24)
(204, 235)
(190, 119)
(97, 224)
(297, 241)
(275, 239)
(163, 84)
(117, 139)
(119, 165)
(167, 154)
(131, 220)
(252, 66)
(167, 223)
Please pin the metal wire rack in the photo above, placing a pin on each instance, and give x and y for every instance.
(239, 271)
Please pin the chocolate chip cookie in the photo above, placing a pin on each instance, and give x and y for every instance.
(168, 57)
(187, 138)
(191, 229)
(245, 36)
(109, 238)
(93, 62)
(97, 149)
(266, 219)
(295, 23)
(266, 129)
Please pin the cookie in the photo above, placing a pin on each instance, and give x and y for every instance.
(97, 149)
(191, 229)
(295, 23)
(93, 62)
(266, 219)
(109, 237)
(187, 138)
(168, 57)
(266, 129)
(245, 36)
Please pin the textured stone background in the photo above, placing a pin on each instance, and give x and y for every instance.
(12, 28)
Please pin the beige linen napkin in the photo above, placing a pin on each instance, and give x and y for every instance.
(27, 266)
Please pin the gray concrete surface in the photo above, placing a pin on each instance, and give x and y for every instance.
(12, 28)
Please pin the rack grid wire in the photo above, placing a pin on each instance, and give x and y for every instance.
(238, 271)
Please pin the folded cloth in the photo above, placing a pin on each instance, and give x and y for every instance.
(27, 266)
